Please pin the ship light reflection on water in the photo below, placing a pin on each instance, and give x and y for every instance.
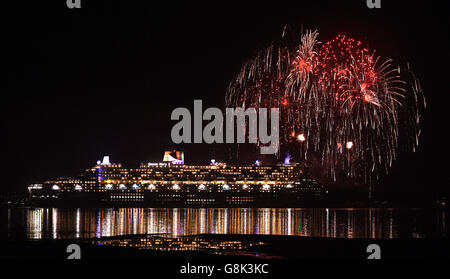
(67, 223)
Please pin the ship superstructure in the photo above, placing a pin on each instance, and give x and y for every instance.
(172, 183)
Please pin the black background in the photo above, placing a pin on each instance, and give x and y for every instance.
(103, 79)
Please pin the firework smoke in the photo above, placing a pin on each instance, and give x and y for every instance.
(341, 105)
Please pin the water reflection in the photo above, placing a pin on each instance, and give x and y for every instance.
(184, 243)
(337, 223)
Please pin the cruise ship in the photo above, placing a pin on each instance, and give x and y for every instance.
(171, 183)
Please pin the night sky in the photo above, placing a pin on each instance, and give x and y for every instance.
(103, 79)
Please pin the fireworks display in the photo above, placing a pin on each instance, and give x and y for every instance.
(341, 105)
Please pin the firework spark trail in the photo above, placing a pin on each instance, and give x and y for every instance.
(345, 105)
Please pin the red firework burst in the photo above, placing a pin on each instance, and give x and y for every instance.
(341, 106)
(347, 71)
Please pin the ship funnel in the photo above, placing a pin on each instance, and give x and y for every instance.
(106, 160)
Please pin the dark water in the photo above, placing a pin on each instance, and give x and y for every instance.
(56, 223)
